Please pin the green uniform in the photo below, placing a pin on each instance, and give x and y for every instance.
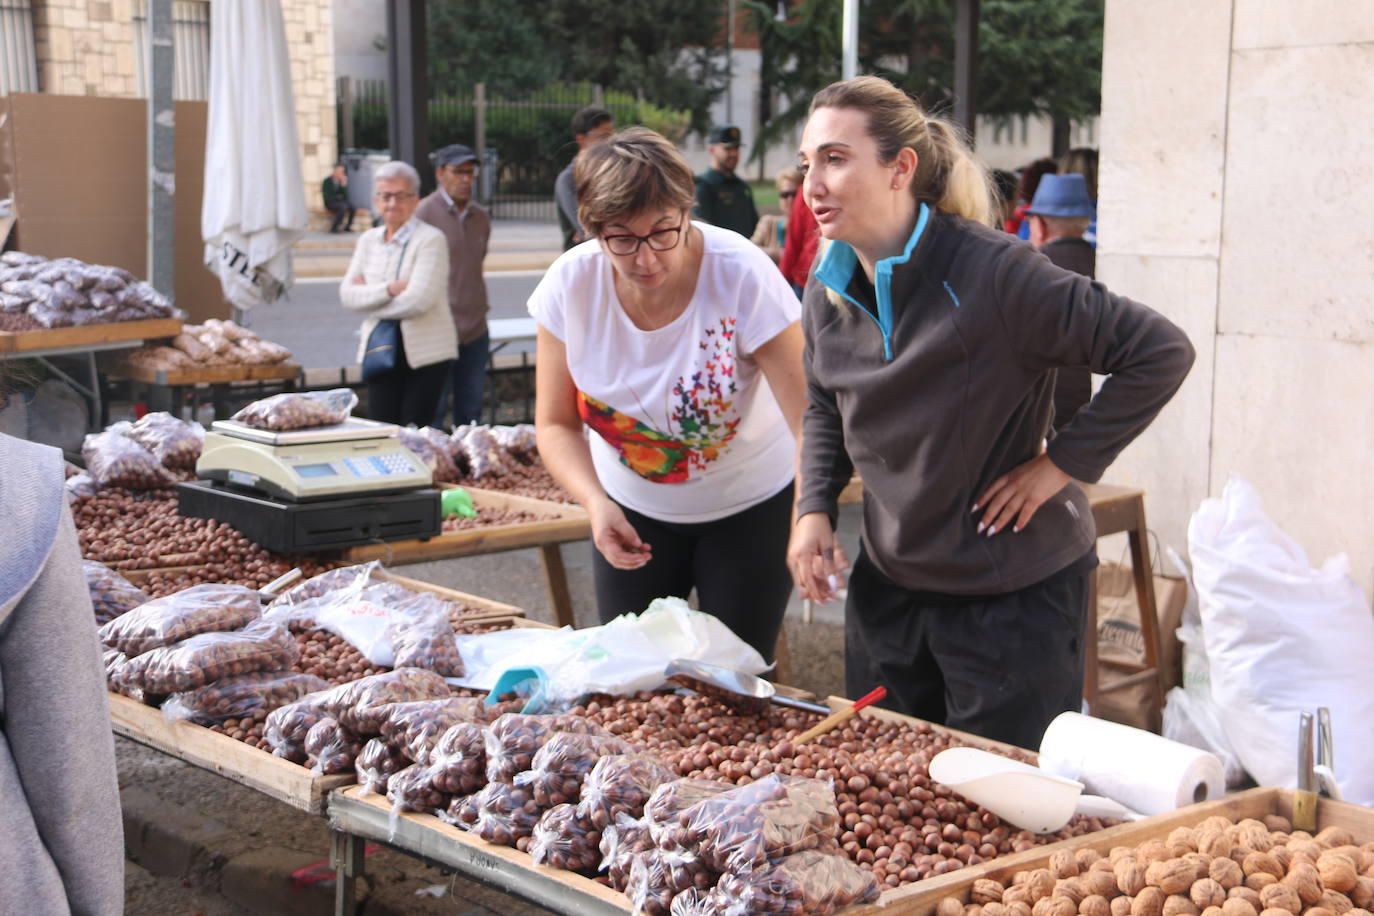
(332, 191)
(726, 201)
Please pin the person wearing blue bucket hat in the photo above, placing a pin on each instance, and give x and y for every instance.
(1058, 216)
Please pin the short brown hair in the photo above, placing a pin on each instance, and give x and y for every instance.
(635, 171)
(948, 175)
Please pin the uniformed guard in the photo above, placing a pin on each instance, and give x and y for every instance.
(723, 198)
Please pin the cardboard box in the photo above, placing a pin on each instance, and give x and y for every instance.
(77, 169)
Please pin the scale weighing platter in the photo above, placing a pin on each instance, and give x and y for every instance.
(351, 459)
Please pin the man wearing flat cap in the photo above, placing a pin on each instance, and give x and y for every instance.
(723, 198)
(1058, 216)
(467, 227)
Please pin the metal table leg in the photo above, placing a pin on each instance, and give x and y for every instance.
(346, 855)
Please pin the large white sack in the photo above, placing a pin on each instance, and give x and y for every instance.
(1282, 638)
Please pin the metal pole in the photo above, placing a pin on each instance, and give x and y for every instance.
(966, 65)
(730, 64)
(161, 148)
(345, 114)
(849, 33)
(408, 86)
(479, 118)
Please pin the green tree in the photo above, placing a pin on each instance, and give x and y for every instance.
(499, 42)
(666, 49)
(1035, 57)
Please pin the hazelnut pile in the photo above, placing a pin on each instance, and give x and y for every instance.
(520, 479)
(141, 529)
(1218, 868)
(488, 517)
(895, 820)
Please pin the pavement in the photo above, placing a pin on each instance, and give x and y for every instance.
(515, 245)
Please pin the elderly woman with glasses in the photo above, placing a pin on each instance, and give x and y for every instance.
(677, 345)
(398, 279)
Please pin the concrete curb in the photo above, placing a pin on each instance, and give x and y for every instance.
(319, 265)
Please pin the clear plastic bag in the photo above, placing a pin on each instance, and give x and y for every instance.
(192, 663)
(411, 789)
(81, 486)
(378, 761)
(208, 608)
(427, 641)
(334, 580)
(808, 883)
(299, 410)
(458, 760)
(565, 841)
(514, 738)
(252, 695)
(518, 440)
(331, 748)
(506, 815)
(115, 460)
(175, 443)
(621, 785)
(697, 902)
(485, 455)
(287, 726)
(111, 594)
(421, 448)
(659, 875)
(558, 768)
(621, 843)
(751, 825)
(415, 727)
(672, 798)
(361, 704)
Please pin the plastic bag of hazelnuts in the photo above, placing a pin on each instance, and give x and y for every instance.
(558, 768)
(697, 902)
(200, 660)
(752, 825)
(174, 442)
(360, 704)
(251, 695)
(111, 594)
(416, 726)
(458, 760)
(378, 761)
(810, 882)
(287, 726)
(621, 843)
(199, 609)
(659, 875)
(563, 840)
(514, 738)
(115, 460)
(331, 748)
(299, 410)
(621, 784)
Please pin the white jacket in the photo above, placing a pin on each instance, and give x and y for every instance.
(419, 254)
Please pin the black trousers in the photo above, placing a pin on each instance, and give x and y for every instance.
(343, 215)
(738, 565)
(404, 395)
(1000, 666)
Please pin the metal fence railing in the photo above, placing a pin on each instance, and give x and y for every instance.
(18, 64)
(523, 142)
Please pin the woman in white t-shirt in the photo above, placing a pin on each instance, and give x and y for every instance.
(670, 393)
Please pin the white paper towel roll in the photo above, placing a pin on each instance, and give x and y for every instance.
(1139, 769)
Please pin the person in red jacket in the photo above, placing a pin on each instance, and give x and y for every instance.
(799, 247)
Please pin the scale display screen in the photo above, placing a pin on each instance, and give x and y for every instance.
(316, 470)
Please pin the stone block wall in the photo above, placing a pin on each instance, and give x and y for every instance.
(1236, 162)
(86, 47)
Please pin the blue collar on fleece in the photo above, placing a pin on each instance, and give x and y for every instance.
(837, 270)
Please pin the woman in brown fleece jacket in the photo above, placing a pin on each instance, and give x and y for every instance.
(932, 342)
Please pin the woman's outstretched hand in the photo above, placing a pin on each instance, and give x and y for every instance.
(815, 557)
(616, 538)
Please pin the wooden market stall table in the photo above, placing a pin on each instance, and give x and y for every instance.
(84, 342)
(170, 387)
(570, 523)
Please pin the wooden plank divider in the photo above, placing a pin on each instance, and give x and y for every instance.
(202, 375)
(88, 334)
(250, 766)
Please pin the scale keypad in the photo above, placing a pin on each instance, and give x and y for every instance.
(391, 464)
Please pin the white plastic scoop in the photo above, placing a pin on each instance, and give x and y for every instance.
(1019, 793)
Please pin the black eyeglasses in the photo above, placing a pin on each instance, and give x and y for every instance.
(659, 240)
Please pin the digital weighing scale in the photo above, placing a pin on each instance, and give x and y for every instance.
(310, 489)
